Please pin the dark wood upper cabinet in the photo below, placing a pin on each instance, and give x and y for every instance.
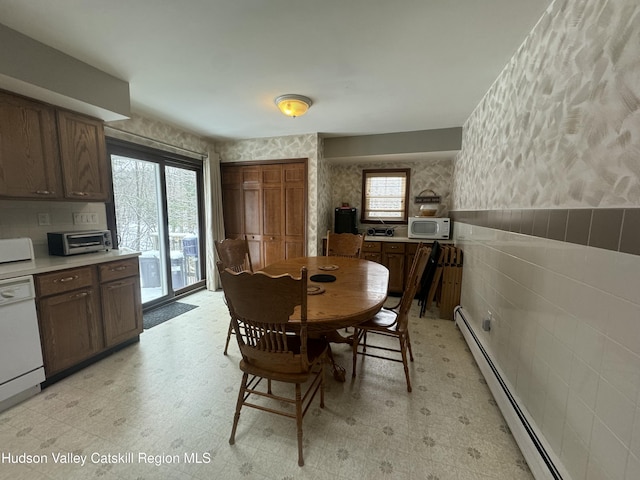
(83, 153)
(46, 153)
(29, 161)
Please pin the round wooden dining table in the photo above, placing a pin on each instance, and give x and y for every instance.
(356, 295)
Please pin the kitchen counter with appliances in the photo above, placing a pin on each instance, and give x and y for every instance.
(59, 313)
(43, 264)
(87, 311)
(394, 252)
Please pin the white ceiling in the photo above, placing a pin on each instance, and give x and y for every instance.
(213, 67)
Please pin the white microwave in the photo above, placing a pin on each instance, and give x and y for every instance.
(429, 228)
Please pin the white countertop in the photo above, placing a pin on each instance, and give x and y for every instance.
(50, 263)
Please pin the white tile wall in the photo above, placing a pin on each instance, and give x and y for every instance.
(19, 218)
(566, 334)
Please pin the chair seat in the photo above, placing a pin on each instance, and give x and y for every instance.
(392, 322)
(316, 349)
(384, 320)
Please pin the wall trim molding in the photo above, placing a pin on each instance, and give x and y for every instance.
(616, 229)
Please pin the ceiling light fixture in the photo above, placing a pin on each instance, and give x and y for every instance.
(293, 105)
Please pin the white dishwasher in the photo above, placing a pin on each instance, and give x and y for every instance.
(21, 366)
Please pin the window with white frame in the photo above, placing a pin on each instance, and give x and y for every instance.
(385, 196)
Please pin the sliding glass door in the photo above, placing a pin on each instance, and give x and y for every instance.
(156, 210)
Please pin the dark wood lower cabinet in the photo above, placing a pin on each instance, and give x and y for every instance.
(121, 315)
(393, 259)
(85, 311)
(397, 256)
(371, 251)
(69, 328)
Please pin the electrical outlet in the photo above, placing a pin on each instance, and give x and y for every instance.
(487, 321)
(85, 218)
(44, 219)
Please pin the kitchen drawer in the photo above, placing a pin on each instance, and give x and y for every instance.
(120, 269)
(64, 280)
(372, 256)
(371, 247)
(393, 247)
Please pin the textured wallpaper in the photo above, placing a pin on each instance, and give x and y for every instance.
(561, 125)
(346, 182)
(147, 130)
(325, 206)
(294, 146)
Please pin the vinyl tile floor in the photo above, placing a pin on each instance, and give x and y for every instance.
(163, 409)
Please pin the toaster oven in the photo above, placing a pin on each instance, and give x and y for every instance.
(73, 243)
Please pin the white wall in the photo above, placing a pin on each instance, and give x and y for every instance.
(566, 333)
(19, 218)
(560, 128)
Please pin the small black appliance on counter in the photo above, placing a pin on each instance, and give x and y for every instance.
(73, 243)
(345, 220)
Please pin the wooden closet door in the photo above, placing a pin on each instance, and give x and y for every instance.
(272, 214)
(232, 207)
(252, 209)
(295, 209)
(268, 204)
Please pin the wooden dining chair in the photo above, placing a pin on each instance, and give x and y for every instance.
(344, 244)
(260, 306)
(233, 253)
(393, 322)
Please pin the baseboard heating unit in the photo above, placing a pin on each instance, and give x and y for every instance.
(535, 449)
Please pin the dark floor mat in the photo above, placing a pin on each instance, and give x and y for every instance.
(162, 314)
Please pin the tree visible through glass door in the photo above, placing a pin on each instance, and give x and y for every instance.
(168, 239)
(182, 213)
(139, 223)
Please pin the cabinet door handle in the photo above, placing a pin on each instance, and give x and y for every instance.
(79, 194)
(118, 269)
(80, 295)
(115, 285)
(66, 279)
(44, 192)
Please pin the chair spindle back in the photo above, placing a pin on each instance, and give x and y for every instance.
(344, 244)
(261, 306)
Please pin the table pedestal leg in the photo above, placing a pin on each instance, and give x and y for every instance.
(339, 372)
